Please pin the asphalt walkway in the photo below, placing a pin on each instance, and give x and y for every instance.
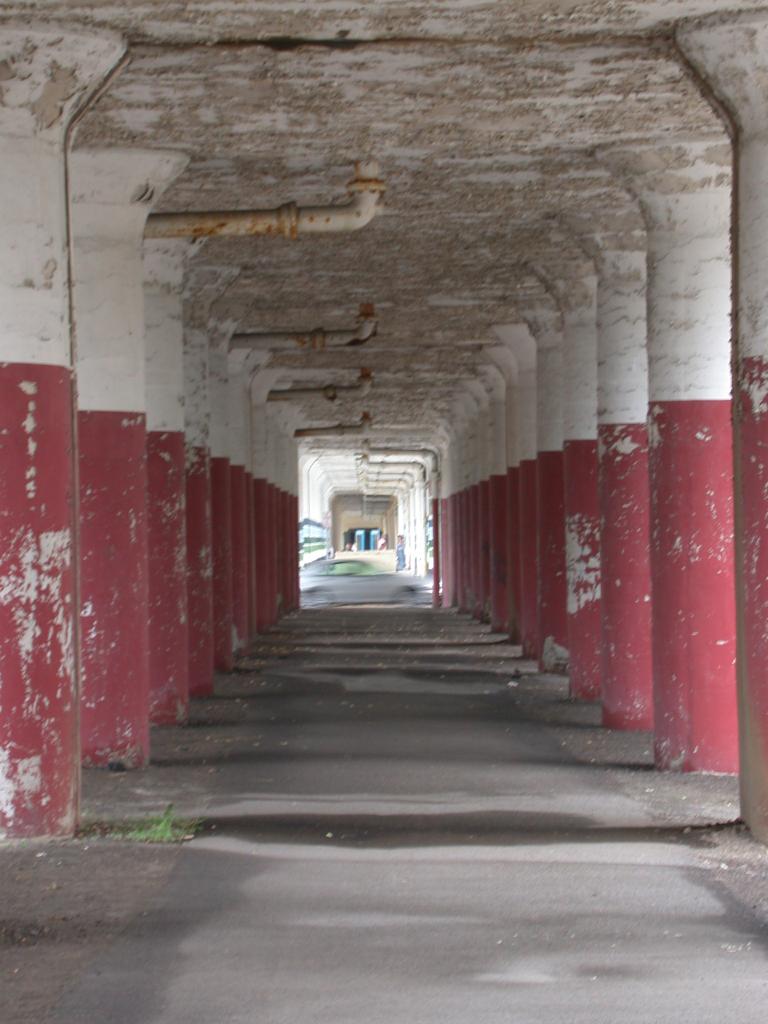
(405, 827)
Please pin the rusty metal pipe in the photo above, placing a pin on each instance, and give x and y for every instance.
(286, 221)
(339, 429)
(314, 341)
(329, 391)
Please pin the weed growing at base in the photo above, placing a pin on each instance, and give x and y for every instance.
(164, 828)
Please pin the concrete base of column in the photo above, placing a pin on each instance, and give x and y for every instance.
(626, 650)
(552, 618)
(529, 518)
(582, 551)
(499, 557)
(114, 610)
(39, 755)
(692, 571)
(168, 635)
(199, 572)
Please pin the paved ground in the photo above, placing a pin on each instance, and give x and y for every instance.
(402, 826)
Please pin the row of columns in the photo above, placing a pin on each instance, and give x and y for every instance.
(626, 510)
(149, 510)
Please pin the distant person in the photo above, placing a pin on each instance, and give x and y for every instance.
(382, 546)
(400, 553)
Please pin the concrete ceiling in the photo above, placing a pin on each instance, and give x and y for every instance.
(484, 117)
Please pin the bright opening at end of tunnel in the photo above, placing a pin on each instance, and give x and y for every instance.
(366, 532)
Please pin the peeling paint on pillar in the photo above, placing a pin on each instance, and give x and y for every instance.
(238, 490)
(498, 519)
(437, 559)
(166, 533)
(684, 191)
(627, 676)
(39, 754)
(514, 598)
(582, 553)
(482, 607)
(627, 662)
(261, 555)
(168, 625)
(692, 554)
(529, 518)
(48, 72)
(730, 51)
(199, 571)
(114, 698)
(221, 554)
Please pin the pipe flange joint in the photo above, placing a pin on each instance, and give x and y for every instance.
(288, 220)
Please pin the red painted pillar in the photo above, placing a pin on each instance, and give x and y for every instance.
(692, 573)
(240, 594)
(514, 597)
(550, 489)
(38, 739)
(447, 552)
(498, 520)
(626, 649)
(199, 572)
(730, 54)
(690, 455)
(39, 758)
(261, 554)
(461, 551)
(484, 549)
(271, 554)
(221, 546)
(436, 570)
(529, 546)
(294, 548)
(111, 351)
(114, 686)
(168, 638)
(582, 525)
(251, 546)
(473, 518)
(626, 656)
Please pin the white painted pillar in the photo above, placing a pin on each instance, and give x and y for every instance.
(685, 193)
(48, 74)
(552, 626)
(107, 225)
(730, 52)
(582, 503)
(626, 649)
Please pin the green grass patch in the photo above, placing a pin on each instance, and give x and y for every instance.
(163, 828)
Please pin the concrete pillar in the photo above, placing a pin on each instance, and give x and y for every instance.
(730, 51)
(240, 487)
(552, 627)
(582, 505)
(437, 557)
(202, 286)
(684, 190)
(626, 649)
(529, 514)
(221, 504)
(497, 503)
(107, 228)
(48, 74)
(167, 629)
